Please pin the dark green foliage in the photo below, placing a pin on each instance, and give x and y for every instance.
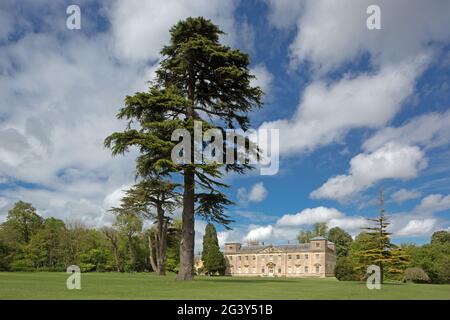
(341, 239)
(213, 258)
(345, 269)
(433, 258)
(24, 219)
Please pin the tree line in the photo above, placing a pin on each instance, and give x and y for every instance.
(29, 242)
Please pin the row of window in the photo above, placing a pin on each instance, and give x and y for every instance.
(271, 257)
(271, 270)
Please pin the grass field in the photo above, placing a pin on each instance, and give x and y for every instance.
(46, 285)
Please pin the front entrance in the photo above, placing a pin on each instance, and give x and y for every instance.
(271, 269)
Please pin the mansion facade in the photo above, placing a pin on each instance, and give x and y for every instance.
(314, 259)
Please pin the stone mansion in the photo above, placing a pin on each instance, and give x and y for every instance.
(314, 259)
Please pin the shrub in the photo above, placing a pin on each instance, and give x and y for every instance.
(344, 270)
(416, 275)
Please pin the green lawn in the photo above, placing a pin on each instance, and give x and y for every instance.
(46, 285)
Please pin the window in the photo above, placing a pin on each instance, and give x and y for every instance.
(246, 258)
(263, 270)
(240, 258)
(289, 257)
(306, 269)
(317, 269)
(231, 258)
(306, 256)
(254, 257)
(279, 257)
(317, 244)
(231, 248)
(298, 257)
(279, 270)
(271, 258)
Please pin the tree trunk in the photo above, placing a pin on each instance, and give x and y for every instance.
(187, 228)
(150, 248)
(161, 245)
(187, 231)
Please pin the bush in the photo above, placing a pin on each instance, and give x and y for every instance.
(344, 270)
(416, 275)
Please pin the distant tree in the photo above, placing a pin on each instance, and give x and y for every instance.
(319, 229)
(129, 226)
(173, 246)
(23, 218)
(46, 246)
(377, 248)
(152, 199)
(440, 237)
(213, 259)
(305, 236)
(345, 269)
(113, 237)
(341, 239)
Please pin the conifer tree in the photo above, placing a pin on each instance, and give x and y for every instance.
(198, 79)
(378, 249)
(212, 257)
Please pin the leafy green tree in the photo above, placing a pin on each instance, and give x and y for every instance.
(129, 226)
(213, 259)
(345, 269)
(198, 79)
(173, 246)
(46, 246)
(113, 238)
(440, 237)
(319, 229)
(23, 218)
(341, 239)
(152, 199)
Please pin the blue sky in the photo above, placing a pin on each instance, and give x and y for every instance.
(358, 109)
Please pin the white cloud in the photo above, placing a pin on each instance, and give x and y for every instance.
(428, 130)
(260, 233)
(256, 194)
(328, 111)
(113, 199)
(403, 194)
(330, 33)
(263, 78)
(433, 203)
(141, 28)
(60, 95)
(310, 216)
(390, 161)
(417, 227)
